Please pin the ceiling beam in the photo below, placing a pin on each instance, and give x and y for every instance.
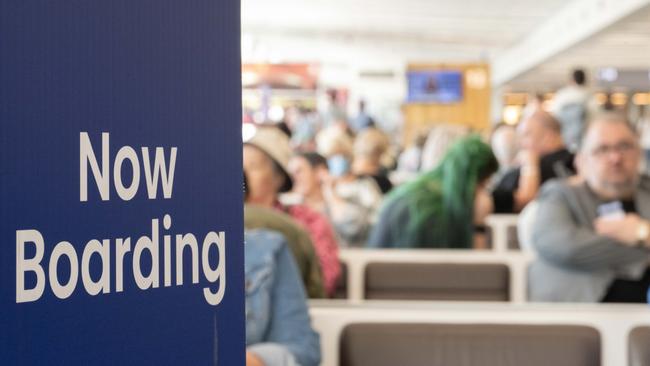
(576, 22)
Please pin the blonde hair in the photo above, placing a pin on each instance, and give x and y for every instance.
(334, 141)
(371, 143)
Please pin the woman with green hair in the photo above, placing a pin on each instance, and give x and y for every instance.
(438, 209)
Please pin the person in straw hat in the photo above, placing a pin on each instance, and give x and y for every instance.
(266, 157)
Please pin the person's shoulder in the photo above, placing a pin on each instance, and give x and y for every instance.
(562, 154)
(253, 212)
(309, 217)
(559, 163)
(263, 241)
(304, 212)
(508, 180)
(560, 187)
(396, 207)
(256, 217)
(256, 210)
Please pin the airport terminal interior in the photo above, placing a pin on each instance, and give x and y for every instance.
(435, 182)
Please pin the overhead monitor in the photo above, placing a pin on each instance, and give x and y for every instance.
(435, 86)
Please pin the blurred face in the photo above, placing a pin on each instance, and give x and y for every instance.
(532, 136)
(609, 160)
(504, 145)
(305, 178)
(263, 182)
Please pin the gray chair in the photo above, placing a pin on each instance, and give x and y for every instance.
(403, 344)
(639, 346)
(437, 281)
(512, 238)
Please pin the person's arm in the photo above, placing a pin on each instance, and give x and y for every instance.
(560, 239)
(289, 325)
(529, 180)
(625, 229)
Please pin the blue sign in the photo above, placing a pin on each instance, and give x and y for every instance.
(121, 239)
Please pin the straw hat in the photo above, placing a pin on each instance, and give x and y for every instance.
(275, 144)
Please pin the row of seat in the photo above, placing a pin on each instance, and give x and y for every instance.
(388, 344)
(397, 274)
(465, 334)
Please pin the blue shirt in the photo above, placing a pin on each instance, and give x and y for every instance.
(278, 328)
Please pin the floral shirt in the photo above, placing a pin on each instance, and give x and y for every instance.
(322, 235)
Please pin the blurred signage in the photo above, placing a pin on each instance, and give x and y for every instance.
(280, 76)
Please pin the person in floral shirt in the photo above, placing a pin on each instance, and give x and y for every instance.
(266, 156)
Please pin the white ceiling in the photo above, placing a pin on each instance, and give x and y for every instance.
(388, 34)
(624, 45)
(412, 30)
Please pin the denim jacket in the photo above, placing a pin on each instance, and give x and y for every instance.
(278, 326)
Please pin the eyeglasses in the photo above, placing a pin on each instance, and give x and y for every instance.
(622, 148)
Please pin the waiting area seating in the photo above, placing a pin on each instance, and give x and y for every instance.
(498, 274)
(488, 333)
(432, 274)
(502, 232)
(437, 281)
(341, 290)
(639, 346)
(388, 344)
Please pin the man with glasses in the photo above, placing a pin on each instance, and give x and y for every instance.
(592, 233)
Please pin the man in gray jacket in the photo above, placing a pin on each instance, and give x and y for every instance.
(592, 234)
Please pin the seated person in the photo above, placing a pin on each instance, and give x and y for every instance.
(370, 150)
(438, 141)
(543, 157)
(278, 330)
(440, 208)
(591, 235)
(266, 156)
(410, 160)
(505, 146)
(302, 248)
(350, 202)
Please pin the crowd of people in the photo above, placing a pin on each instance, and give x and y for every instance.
(312, 187)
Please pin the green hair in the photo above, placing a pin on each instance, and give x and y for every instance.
(440, 203)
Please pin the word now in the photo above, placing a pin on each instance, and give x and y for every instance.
(127, 153)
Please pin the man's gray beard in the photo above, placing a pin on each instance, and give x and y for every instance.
(621, 190)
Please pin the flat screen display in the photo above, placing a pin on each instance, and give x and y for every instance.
(435, 86)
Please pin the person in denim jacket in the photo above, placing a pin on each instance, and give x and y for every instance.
(278, 330)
